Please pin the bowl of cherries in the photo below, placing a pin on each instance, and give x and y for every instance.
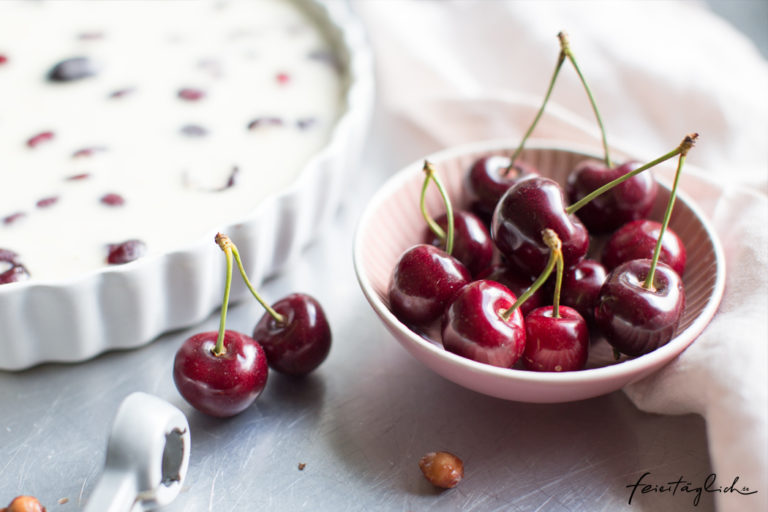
(539, 272)
(457, 312)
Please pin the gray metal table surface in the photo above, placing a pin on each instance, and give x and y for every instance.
(357, 426)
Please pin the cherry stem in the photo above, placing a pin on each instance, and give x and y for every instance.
(447, 238)
(556, 254)
(227, 245)
(218, 349)
(513, 158)
(558, 285)
(683, 147)
(648, 284)
(566, 48)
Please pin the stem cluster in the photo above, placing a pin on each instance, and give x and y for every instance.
(231, 252)
(446, 238)
(552, 241)
(565, 53)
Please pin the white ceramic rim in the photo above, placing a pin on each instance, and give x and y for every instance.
(638, 366)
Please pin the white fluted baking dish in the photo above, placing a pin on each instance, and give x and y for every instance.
(129, 305)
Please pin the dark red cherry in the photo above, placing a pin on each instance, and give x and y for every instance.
(112, 199)
(262, 122)
(125, 252)
(634, 319)
(488, 179)
(10, 219)
(47, 201)
(555, 344)
(424, 282)
(72, 69)
(88, 151)
(473, 325)
(191, 94)
(581, 287)
(529, 207)
(637, 240)
(472, 244)
(628, 201)
(517, 283)
(193, 130)
(299, 343)
(223, 385)
(11, 269)
(40, 138)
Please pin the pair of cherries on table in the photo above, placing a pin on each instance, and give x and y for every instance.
(221, 373)
(500, 318)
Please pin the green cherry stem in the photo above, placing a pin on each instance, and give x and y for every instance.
(447, 238)
(648, 284)
(687, 143)
(566, 48)
(227, 245)
(513, 158)
(558, 282)
(219, 350)
(555, 256)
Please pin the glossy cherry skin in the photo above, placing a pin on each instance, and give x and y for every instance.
(517, 284)
(581, 287)
(424, 282)
(636, 320)
(472, 243)
(555, 344)
(300, 343)
(637, 240)
(488, 180)
(628, 201)
(473, 327)
(11, 269)
(528, 208)
(222, 385)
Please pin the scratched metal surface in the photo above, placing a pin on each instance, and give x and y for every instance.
(360, 424)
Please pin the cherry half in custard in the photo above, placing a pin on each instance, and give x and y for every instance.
(220, 373)
(11, 269)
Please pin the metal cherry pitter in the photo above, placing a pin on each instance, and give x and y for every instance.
(147, 457)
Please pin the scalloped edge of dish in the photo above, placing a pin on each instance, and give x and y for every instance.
(523, 385)
(129, 306)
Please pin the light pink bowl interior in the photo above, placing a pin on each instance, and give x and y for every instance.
(393, 222)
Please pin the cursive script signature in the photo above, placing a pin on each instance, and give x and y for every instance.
(681, 485)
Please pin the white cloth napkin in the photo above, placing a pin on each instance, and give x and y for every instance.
(452, 72)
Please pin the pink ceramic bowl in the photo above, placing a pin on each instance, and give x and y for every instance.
(392, 222)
